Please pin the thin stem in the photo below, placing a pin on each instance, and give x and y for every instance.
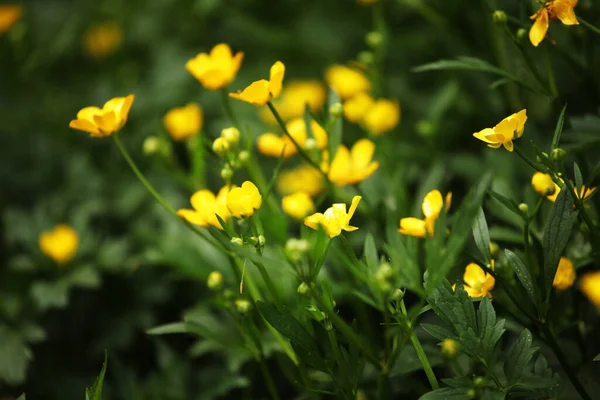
(228, 108)
(591, 27)
(527, 159)
(197, 155)
(551, 79)
(268, 379)
(270, 286)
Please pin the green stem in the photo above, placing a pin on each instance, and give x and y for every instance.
(270, 286)
(579, 204)
(228, 108)
(551, 79)
(591, 27)
(268, 380)
(197, 155)
(527, 159)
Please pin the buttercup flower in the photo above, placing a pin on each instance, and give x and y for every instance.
(553, 9)
(382, 116)
(243, 201)
(335, 219)
(298, 205)
(103, 122)
(206, 208)
(183, 122)
(478, 283)
(565, 274)
(590, 286)
(432, 206)
(261, 92)
(354, 166)
(9, 15)
(543, 184)
(217, 69)
(60, 244)
(346, 81)
(302, 178)
(293, 99)
(274, 145)
(357, 106)
(505, 132)
(582, 193)
(102, 39)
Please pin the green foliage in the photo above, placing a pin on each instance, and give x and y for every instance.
(95, 392)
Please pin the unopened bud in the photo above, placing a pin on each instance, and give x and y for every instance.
(243, 156)
(494, 249)
(521, 35)
(480, 381)
(310, 144)
(151, 145)
(366, 57)
(215, 281)
(336, 109)
(499, 17)
(398, 295)
(231, 135)
(261, 240)
(242, 306)
(226, 173)
(383, 276)
(220, 146)
(450, 348)
(471, 393)
(374, 39)
(426, 128)
(524, 208)
(558, 154)
(303, 288)
(543, 184)
(237, 241)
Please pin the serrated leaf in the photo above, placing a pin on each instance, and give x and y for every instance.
(95, 392)
(490, 330)
(438, 332)
(447, 394)
(370, 252)
(482, 236)
(559, 128)
(518, 357)
(522, 273)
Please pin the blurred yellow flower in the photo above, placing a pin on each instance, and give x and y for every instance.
(335, 219)
(9, 15)
(450, 348)
(382, 116)
(298, 205)
(217, 69)
(551, 10)
(102, 39)
(302, 178)
(261, 92)
(478, 283)
(274, 145)
(60, 244)
(293, 99)
(590, 286)
(357, 106)
(353, 166)
(565, 274)
(183, 122)
(432, 206)
(243, 201)
(543, 184)
(505, 131)
(103, 122)
(346, 81)
(206, 208)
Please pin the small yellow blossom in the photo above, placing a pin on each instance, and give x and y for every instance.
(215, 281)
(217, 69)
(551, 10)
(382, 116)
(583, 193)
(302, 178)
(565, 274)
(274, 145)
(346, 81)
(357, 106)
(431, 207)
(244, 201)
(231, 135)
(261, 92)
(450, 348)
(543, 184)
(353, 166)
(183, 122)
(206, 208)
(505, 132)
(590, 286)
(103, 122)
(60, 244)
(293, 99)
(335, 219)
(220, 146)
(103, 39)
(9, 15)
(478, 283)
(298, 205)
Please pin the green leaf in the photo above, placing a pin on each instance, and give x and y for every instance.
(86, 277)
(14, 356)
(95, 392)
(559, 128)
(578, 176)
(438, 332)
(447, 394)
(482, 235)
(506, 202)
(167, 329)
(411, 276)
(490, 330)
(370, 252)
(50, 294)
(556, 235)
(465, 63)
(597, 358)
(518, 357)
(522, 273)
(335, 127)
(21, 397)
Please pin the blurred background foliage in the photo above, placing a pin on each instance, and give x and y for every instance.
(137, 268)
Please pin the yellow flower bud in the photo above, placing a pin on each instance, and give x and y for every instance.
(237, 241)
(244, 156)
(298, 205)
(524, 208)
(543, 184)
(450, 348)
(242, 306)
(215, 281)
(558, 154)
(60, 244)
(231, 135)
(565, 274)
(336, 110)
(151, 145)
(226, 173)
(220, 146)
(243, 201)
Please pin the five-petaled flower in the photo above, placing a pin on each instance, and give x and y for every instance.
(206, 208)
(263, 91)
(243, 201)
(432, 206)
(103, 122)
(60, 244)
(505, 131)
(353, 166)
(335, 219)
(217, 69)
(551, 10)
(477, 282)
(183, 122)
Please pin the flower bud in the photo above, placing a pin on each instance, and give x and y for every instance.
(521, 35)
(494, 249)
(303, 288)
(480, 381)
(366, 57)
(244, 156)
(242, 306)
(397, 295)
(426, 128)
(220, 146)
(383, 276)
(237, 241)
(310, 144)
(499, 17)
(558, 154)
(374, 39)
(295, 248)
(151, 145)
(524, 208)
(231, 135)
(261, 240)
(215, 281)
(336, 109)
(226, 173)
(450, 348)
(543, 184)
(471, 393)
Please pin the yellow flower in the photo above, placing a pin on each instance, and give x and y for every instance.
(582, 193)
(217, 69)
(552, 10)
(298, 205)
(293, 99)
(274, 145)
(206, 208)
(353, 166)
(335, 219)
(302, 178)
(432, 206)
(543, 184)
(103, 122)
(102, 39)
(590, 286)
(60, 244)
(183, 122)
(505, 132)
(243, 201)
(356, 107)
(9, 15)
(478, 283)
(565, 274)
(261, 92)
(346, 81)
(382, 116)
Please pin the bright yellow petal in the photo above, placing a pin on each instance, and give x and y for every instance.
(362, 153)
(508, 145)
(432, 204)
(203, 201)
(276, 78)
(257, 93)
(353, 206)
(520, 118)
(88, 113)
(107, 123)
(474, 275)
(563, 10)
(412, 227)
(487, 135)
(193, 217)
(273, 145)
(340, 167)
(313, 221)
(538, 30)
(86, 126)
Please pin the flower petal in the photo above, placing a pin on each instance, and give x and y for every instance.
(412, 227)
(538, 30)
(432, 204)
(257, 93)
(276, 78)
(474, 275)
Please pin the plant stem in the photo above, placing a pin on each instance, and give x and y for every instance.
(270, 286)
(591, 27)
(197, 156)
(268, 379)
(228, 108)
(527, 159)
